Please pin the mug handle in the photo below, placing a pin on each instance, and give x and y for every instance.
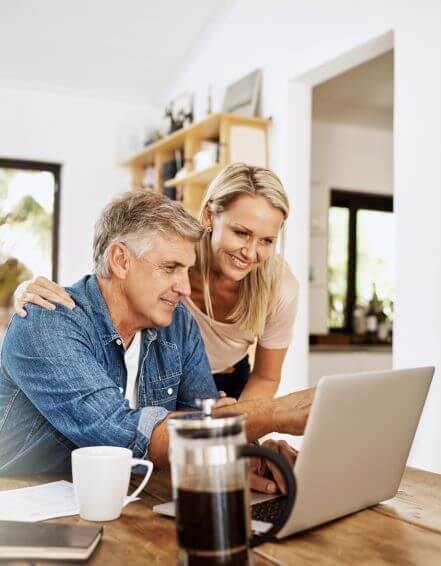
(147, 464)
(253, 450)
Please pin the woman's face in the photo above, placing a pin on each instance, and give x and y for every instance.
(244, 236)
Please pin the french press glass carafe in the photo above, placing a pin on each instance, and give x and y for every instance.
(210, 488)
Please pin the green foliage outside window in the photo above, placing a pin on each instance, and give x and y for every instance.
(26, 220)
(373, 242)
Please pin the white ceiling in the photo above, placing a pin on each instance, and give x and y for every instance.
(363, 93)
(127, 49)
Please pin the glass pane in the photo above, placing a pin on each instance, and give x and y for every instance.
(26, 222)
(375, 257)
(338, 234)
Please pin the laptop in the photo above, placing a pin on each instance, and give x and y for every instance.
(355, 448)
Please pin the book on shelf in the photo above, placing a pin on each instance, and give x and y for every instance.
(207, 156)
(169, 171)
(47, 541)
(149, 178)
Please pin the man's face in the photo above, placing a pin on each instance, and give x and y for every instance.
(158, 280)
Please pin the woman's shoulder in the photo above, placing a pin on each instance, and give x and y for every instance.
(287, 291)
(289, 285)
(283, 311)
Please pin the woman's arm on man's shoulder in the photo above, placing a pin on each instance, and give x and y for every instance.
(42, 292)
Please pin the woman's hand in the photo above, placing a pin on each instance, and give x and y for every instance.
(265, 476)
(40, 291)
(291, 412)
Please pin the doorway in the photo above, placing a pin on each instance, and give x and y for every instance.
(352, 252)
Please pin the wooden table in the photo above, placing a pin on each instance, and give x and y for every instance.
(404, 531)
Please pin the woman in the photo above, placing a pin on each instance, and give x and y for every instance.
(242, 290)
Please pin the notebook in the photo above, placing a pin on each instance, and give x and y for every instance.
(47, 541)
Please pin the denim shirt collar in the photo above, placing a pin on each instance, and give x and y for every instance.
(100, 309)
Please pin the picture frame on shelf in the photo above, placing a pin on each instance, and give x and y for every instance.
(242, 96)
(179, 113)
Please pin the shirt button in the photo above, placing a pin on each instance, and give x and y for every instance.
(121, 389)
(118, 341)
(169, 390)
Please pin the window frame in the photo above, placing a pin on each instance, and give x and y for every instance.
(55, 169)
(355, 201)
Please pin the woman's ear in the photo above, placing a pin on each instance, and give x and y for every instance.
(119, 260)
(207, 216)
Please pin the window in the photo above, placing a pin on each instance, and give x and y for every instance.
(29, 212)
(360, 255)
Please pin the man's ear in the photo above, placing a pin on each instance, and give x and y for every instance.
(119, 260)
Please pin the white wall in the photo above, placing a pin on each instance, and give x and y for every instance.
(352, 157)
(291, 39)
(334, 363)
(85, 135)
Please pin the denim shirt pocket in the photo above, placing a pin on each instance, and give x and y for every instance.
(162, 371)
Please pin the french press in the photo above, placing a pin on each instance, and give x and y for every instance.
(210, 487)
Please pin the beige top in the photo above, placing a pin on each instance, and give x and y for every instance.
(227, 343)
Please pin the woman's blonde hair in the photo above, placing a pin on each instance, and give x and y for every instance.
(260, 287)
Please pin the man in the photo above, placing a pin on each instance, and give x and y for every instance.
(111, 370)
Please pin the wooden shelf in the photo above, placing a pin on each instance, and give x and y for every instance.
(201, 177)
(239, 138)
(205, 129)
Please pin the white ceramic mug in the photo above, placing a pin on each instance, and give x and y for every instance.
(101, 476)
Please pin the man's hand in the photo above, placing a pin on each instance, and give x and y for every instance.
(224, 401)
(264, 476)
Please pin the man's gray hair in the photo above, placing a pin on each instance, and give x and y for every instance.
(133, 218)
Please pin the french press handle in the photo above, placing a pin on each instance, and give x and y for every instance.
(253, 450)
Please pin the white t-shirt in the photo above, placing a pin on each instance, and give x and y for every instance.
(227, 343)
(131, 358)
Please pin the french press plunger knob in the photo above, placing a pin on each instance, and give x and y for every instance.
(206, 405)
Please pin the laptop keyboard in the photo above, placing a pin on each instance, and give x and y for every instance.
(268, 511)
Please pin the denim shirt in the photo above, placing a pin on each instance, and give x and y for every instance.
(63, 376)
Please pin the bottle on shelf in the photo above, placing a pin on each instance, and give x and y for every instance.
(359, 322)
(209, 102)
(383, 327)
(385, 315)
(372, 317)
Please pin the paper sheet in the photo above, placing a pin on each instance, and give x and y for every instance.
(38, 503)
